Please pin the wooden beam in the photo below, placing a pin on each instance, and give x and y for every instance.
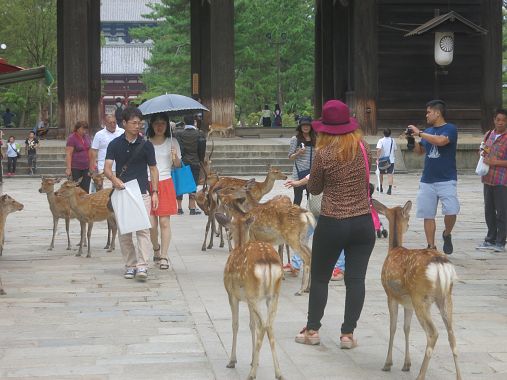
(491, 61)
(365, 61)
(341, 49)
(327, 38)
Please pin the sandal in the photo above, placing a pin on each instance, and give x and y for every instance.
(307, 336)
(347, 342)
(163, 263)
(156, 254)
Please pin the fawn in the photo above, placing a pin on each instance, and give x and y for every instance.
(415, 279)
(253, 273)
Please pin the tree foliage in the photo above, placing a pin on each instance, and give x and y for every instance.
(256, 63)
(28, 28)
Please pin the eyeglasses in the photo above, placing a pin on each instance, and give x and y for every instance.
(132, 122)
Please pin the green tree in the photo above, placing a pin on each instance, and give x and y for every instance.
(169, 65)
(29, 31)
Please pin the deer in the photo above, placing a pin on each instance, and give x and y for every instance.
(220, 129)
(8, 205)
(257, 189)
(415, 279)
(277, 222)
(60, 209)
(252, 274)
(90, 208)
(98, 180)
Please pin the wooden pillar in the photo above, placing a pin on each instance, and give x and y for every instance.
(212, 57)
(365, 63)
(341, 49)
(78, 33)
(491, 61)
(327, 38)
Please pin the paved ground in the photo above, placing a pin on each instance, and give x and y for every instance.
(67, 317)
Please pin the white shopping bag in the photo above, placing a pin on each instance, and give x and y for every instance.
(129, 209)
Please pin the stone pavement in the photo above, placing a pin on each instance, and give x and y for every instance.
(67, 317)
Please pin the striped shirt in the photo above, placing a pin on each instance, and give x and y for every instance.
(497, 146)
(302, 162)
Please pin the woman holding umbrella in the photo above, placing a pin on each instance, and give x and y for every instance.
(167, 154)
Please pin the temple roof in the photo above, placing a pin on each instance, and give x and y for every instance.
(125, 10)
(124, 58)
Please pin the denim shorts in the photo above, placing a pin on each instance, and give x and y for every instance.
(430, 193)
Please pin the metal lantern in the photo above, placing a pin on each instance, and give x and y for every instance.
(444, 48)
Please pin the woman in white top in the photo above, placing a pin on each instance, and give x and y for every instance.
(167, 154)
(13, 150)
(386, 147)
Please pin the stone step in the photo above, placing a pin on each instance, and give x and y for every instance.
(251, 161)
(253, 170)
(222, 155)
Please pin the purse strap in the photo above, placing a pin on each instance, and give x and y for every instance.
(365, 156)
(391, 149)
(131, 159)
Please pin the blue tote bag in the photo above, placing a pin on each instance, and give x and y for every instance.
(183, 180)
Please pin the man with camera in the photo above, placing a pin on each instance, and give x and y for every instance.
(439, 179)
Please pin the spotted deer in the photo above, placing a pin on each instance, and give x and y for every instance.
(98, 180)
(222, 130)
(7, 205)
(277, 222)
(257, 190)
(60, 209)
(415, 279)
(252, 274)
(90, 208)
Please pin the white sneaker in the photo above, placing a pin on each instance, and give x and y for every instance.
(141, 274)
(130, 273)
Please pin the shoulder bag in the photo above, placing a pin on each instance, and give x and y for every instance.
(482, 168)
(135, 154)
(385, 161)
(183, 179)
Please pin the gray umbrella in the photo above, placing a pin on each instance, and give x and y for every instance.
(173, 104)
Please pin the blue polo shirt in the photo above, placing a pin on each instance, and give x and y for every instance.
(120, 150)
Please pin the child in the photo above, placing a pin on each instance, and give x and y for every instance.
(31, 144)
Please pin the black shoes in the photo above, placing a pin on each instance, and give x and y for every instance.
(180, 211)
(448, 248)
(194, 211)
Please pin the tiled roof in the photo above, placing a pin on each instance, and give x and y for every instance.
(124, 58)
(125, 10)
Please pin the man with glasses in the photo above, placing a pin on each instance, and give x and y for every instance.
(101, 141)
(138, 156)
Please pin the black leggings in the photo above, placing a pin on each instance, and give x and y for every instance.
(298, 194)
(85, 182)
(357, 237)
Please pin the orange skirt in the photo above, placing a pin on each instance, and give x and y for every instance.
(166, 199)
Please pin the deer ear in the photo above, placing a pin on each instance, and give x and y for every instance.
(381, 209)
(222, 219)
(407, 208)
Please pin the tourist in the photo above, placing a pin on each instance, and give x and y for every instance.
(77, 155)
(439, 179)
(495, 184)
(13, 152)
(265, 120)
(277, 122)
(31, 145)
(100, 143)
(7, 117)
(167, 154)
(42, 128)
(386, 148)
(339, 171)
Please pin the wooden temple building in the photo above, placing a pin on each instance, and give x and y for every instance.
(377, 55)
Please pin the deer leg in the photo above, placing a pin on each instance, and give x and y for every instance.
(288, 253)
(234, 303)
(222, 243)
(210, 245)
(445, 308)
(260, 330)
(89, 235)
(228, 235)
(393, 319)
(83, 237)
(406, 329)
(2, 292)
(423, 313)
(55, 225)
(306, 255)
(67, 225)
(208, 224)
(272, 304)
(111, 230)
(108, 243)
(252, 330)
(280, 253)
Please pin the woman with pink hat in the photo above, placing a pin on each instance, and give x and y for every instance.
(340, 171)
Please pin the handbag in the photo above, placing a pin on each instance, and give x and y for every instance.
(482, 168)
(303, 173)
(385, 161)
(314, 204)
(123, 170)
(129, 209)
(182, 177)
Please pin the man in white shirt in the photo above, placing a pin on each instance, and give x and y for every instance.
(386, 147)
(101, 141)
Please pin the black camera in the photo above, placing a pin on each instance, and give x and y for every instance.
(408, 132)
(410, 139)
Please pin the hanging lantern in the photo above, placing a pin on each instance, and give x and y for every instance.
(444, 48)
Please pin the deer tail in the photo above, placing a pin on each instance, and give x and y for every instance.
(442, 274)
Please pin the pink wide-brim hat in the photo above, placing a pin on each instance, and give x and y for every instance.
(336, 119)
